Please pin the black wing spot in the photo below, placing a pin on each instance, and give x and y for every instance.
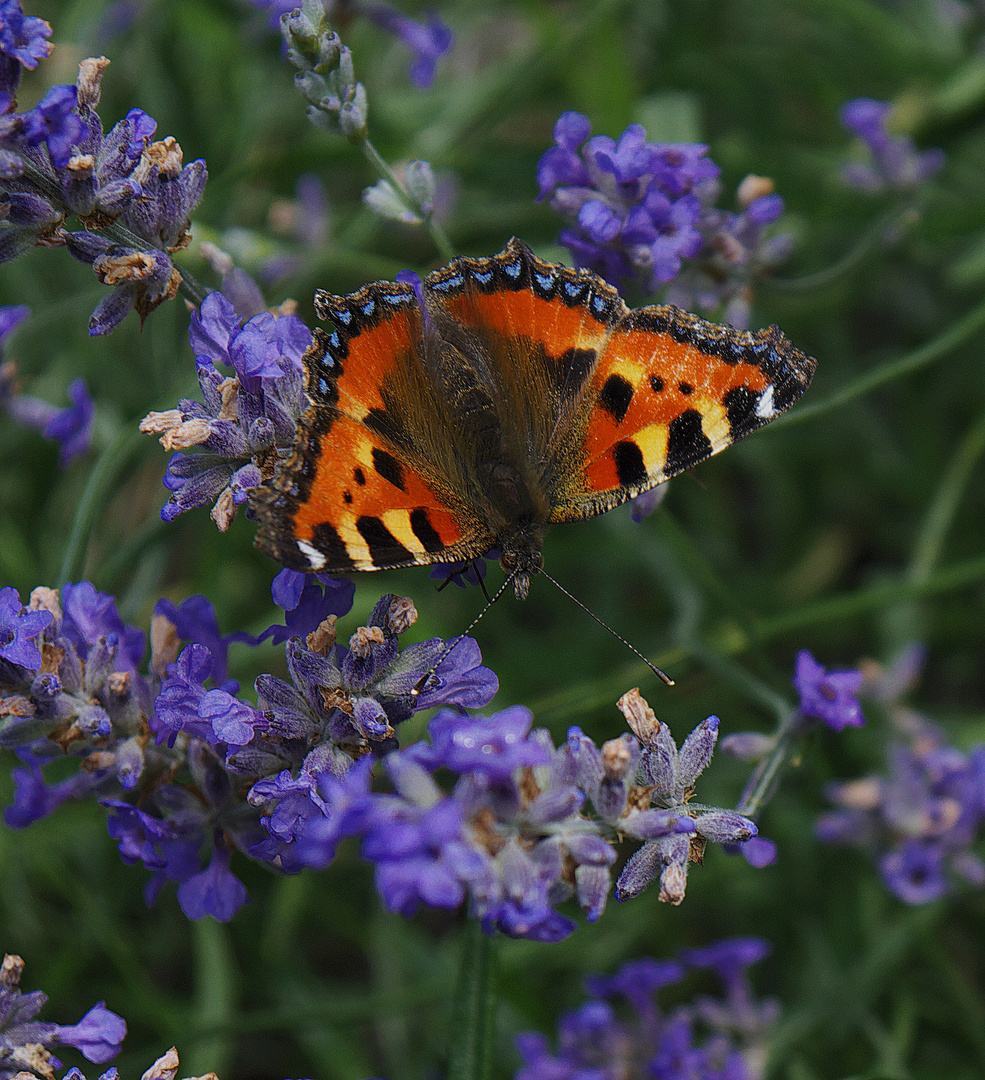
(384, 548)
(630, 467)
(347, 496)
(359, 476)
(422, 528)
(388, 467)
(685, 388)
(326, 540)
(740, 407)
(687, 444)
(616, 395)
(656, 384)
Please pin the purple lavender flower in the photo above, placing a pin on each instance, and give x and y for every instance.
(55, 161)
(243, 419)
(737, 249)
(71, 427)
(645, 212)
(634, 205)
(300, 743)
(671, 774)
(896, 164)
(25, 1041)
(307, 600)
(526, 825)
(920, 819)
(622, 1031)
(829, 696)
(194, 620)
(17, 628)
(428, 42)
(23, 43)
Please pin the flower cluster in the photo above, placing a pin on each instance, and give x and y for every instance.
(185, 766)
(70, 427)
(527, 825)
(828, 696)
(25, 1042)
(243, 419)
(622, 1030)
(922, 817)
(644, 212)
(132, 195)
(895, 163)
(325, 76)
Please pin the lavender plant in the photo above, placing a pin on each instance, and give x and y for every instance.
(365, 746)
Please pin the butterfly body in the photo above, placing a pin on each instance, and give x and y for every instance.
(512, 395)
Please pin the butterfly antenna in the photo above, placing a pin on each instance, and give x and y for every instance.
(632, 648)
(419, 685)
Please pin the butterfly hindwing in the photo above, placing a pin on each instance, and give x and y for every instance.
(670, 390)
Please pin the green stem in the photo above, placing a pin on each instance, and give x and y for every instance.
(872, 238)
(944, 506)
(956, 335)
(92, 500)
(441, 241)
(765, 777)
(215, 997)
(470, 1049)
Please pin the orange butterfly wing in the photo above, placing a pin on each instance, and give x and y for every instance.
(355, 493)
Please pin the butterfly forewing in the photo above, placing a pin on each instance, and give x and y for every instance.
(361, 491)
(670, 390)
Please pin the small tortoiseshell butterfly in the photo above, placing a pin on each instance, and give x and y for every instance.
(512, 395)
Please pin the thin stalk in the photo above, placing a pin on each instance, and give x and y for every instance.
(956, 335)
(940, 514)
(872, 238)
(101, 479)
(470, 1048)
(759, 790)
(441, 241)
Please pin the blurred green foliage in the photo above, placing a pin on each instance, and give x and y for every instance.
(851, 527)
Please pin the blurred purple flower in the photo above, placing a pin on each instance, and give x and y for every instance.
(829, 696)
(428, 42)
(896, 164)
(622, 1030)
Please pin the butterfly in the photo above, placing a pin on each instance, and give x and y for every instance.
(502, 396)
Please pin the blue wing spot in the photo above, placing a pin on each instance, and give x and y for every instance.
(343, 315)
(483, 277)
(369, 307)
(396, 299)
(450, 283)
(545, 281)
(572, 289)
(324, 385)
(513, 269)
(334, 340)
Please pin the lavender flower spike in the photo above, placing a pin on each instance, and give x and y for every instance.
(671, 775)
(896, 164)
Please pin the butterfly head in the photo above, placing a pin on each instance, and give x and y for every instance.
(521, 556)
